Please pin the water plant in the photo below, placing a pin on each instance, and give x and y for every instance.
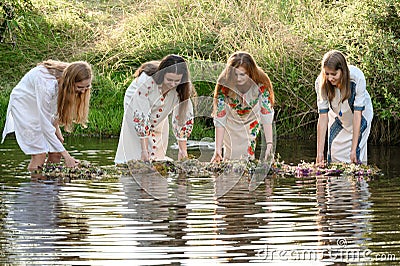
(84, 171)
(193, 167)
(305, 169)
(287, 38)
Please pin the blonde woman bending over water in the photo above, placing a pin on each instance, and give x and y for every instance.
(51, 95)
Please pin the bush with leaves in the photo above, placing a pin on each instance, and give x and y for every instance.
(12, 12)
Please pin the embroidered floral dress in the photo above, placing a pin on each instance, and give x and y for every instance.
(242, 115)
(340, 117)
(146, 113)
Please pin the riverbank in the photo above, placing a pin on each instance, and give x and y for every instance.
(287, 39)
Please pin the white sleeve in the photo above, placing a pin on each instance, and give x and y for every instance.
(266, 109)
(221, 112)
(322, 100)
(182, 132)
(46, 98)
(357, 76)
(138, 105)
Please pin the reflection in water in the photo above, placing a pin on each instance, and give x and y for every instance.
(343, 211)
(140, 220)
(31, 221)
(340, 207)
(242, 216)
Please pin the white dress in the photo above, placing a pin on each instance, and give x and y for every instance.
(242, 117)
(340, 117)
(31, 112)
(146, 113)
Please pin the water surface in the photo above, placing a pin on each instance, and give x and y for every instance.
(179, 221)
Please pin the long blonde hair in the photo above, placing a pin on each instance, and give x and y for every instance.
(55, 68)
(72, 107)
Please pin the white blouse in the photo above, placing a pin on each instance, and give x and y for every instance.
(362, 99)
(146, 112)
(31, 112)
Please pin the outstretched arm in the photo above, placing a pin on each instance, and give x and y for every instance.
(219, 137)
(58, 131)
(356, 135)
(322, 127)
(69, 160)
(182, 132)
(144, 144)
(182, 153)
(268, 140)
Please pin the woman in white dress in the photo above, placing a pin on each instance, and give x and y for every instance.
(159, 89)
(51, 95)
(345, 111)
(244, 101)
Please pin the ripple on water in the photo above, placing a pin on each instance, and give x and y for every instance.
(200, 220)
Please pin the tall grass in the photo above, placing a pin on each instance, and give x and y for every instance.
(286, 37)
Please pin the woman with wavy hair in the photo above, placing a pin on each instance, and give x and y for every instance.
(345, 110)
(160, 88)
(51, 95)
(243, 103)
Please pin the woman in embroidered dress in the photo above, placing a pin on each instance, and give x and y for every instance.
(243, 102)
(345, 109)
(159, 88)
(51, 95)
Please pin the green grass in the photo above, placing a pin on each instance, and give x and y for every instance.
(287, 38)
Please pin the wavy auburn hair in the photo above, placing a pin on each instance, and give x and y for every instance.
(73, 106)
(227, 78)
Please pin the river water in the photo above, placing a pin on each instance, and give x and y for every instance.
(285, 221)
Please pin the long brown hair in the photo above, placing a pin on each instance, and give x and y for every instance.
(177, 65)
(335, 60)
(256, 74)
(73, 107)
(149, 68)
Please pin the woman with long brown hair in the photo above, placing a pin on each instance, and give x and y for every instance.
(243, 102)
(51, 95)
(160, 88)
(345, 110)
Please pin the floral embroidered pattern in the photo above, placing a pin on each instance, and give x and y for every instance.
(221, 112)
(254, 128)
(238, 106)
(234, 103)
(243, 105)
(252, 148)
(266, 107)
(141, 124)
(183, 132)
(243, 108)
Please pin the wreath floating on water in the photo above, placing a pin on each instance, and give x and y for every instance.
(196, 168)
